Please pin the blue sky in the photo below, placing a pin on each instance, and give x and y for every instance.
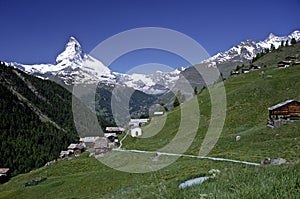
(35, 31)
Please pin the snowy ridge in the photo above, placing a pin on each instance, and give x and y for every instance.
(246, 50)
(73, 66)
(156, 83)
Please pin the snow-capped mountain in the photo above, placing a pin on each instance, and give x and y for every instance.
(246, 50)
(156, 83)
(73, 66)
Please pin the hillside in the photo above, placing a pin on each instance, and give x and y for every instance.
(248, 97)
(272, 58)
(36, 120)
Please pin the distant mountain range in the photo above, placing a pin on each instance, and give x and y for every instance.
(246, 50)
(73, 66)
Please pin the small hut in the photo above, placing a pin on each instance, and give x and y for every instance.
(136, 132)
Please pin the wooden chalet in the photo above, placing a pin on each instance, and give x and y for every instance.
(296, 63)
(245, 70)
(117, 130)
(112, 137)
(255, 67)
(101, 146)
(76, 148)
(138, 122)
(88, 142)
(284, 112)
(284, 64)
(291, 58)
(235, 72)
(4, 175)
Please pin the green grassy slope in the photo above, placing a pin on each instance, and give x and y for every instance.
(88, 178)
(248, 97)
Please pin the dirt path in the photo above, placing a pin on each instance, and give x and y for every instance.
(186, 155)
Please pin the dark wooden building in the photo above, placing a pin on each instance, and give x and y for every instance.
(289, 109)
(283, 113)
(284, 64)
(291, 58)
(4, 175)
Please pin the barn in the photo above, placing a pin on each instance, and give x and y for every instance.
(284, 112)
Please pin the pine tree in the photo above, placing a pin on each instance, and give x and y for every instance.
(293, 41)
(272, 47)
(287, 43)
(176, 102)
(195, 90)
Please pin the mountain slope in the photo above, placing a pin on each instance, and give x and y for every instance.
(246, 50)
(272, 58)
(248, 97)
(73, 66)
(241, 54)
(36, 120)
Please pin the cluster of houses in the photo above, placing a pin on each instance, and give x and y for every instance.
(288, 61)
(99, 144)
(246, 70)
(73, 149)
(135, 124)
(110, 139)
(283, 113)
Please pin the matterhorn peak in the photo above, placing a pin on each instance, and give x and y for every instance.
(72, 52)
(73, 42)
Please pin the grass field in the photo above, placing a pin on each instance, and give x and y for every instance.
(248, 97)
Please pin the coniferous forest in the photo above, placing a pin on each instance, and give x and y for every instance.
(36, 120)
